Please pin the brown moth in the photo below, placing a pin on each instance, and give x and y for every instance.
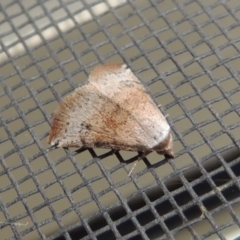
(112, 110)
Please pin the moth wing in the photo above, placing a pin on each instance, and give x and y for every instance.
(122, 87)
(88, 118)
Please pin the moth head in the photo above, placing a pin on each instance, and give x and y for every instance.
(165, 147)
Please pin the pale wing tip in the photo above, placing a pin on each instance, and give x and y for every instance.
(52, 141)
(124, 66)
(53, 146)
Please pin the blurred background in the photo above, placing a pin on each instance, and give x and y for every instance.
(186, 53)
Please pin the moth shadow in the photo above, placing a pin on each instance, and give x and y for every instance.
(135, 158)
(121, 160)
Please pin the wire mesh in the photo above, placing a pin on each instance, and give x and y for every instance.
(187, 54)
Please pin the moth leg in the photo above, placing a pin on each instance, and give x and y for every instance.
(143, 155)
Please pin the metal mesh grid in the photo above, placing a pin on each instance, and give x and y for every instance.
(187, 53)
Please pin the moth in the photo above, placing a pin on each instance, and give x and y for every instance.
(111, 110)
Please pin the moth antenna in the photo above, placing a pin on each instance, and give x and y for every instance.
(143, 155)
(134, 165)
(166, 116)
(159, 105)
